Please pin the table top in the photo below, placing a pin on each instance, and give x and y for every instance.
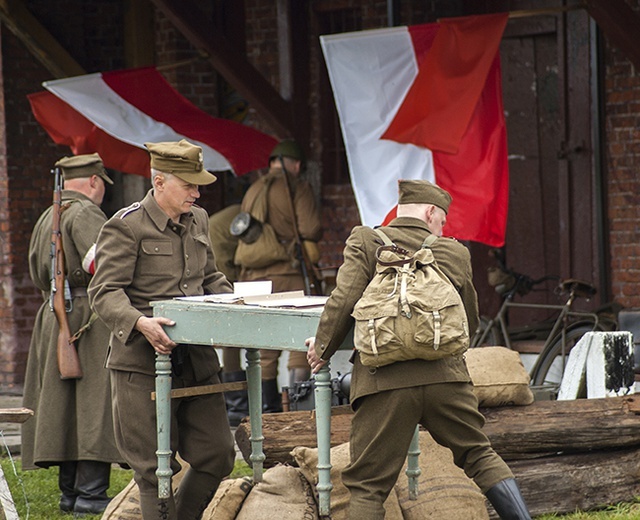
(239, 325)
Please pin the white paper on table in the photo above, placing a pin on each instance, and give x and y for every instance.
(261, 287)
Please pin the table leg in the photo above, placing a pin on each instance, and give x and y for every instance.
(323, 426)
(413, 467)
(163, 422)
(254, 389)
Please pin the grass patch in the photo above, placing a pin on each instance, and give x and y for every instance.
(36, 492)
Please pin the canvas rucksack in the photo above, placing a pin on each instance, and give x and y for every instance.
(409, 310)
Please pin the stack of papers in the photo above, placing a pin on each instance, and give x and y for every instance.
(259, 294)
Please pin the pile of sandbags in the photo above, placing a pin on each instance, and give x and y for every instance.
(288, 492)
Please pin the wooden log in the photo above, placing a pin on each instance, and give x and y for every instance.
(580, 481)
(568, 426)
(516, 432)
(15, 415)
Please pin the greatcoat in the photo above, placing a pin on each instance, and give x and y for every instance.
(73, 419)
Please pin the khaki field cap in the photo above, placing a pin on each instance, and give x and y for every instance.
(83, 166)
(182, 159)
(423, 192)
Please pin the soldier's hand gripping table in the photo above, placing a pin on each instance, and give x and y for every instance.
(252, 328)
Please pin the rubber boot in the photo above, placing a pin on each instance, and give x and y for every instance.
(92, 482)
(194, 494)
(271, 397)
(237, 401)
(297, 375)
(67, 483)
(506, 499)
(154, 508)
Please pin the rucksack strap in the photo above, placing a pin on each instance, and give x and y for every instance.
(385, 239)
(390, 246)
(428, 242)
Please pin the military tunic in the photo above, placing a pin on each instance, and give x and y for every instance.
(73, 419)
(143, 256)
(391, 400)
(285, 275)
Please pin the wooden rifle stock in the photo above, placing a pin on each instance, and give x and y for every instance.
(68, 360)
(312, 283)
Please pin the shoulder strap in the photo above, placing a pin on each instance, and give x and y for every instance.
(259, 206)
(385, 239)
(428, 242)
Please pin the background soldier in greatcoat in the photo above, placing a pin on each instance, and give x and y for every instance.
(72, 426)
(159, 249)
(390, 401)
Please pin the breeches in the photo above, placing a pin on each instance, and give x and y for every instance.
(199, 427)
(384, 424)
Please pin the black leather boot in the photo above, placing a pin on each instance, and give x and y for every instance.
(194, 494)
(506, 499)
(154, 508)
(67, 483)
(92, 482)
(237, 401)
(271, 396)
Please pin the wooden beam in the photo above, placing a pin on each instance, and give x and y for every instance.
(139, 42)
(217, 388)
(40, 43)
(620, 24)
(226, 59)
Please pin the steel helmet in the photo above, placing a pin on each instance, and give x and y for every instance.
(289, 148)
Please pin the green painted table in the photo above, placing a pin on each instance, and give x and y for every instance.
(252, 328)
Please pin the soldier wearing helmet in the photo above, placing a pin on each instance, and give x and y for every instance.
(287, 158)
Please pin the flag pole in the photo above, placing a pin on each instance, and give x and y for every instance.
(170, 66)
(525, 13)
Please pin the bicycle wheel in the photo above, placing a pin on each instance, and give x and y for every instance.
(484, 337)
(549, 368)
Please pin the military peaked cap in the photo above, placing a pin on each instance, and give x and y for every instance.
(83, 166)
(182, 159)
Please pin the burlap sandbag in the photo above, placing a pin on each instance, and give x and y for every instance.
(499, 377)
(444, 491)
(228, 499)
(224, 506)
(307, 459)
(284, 494)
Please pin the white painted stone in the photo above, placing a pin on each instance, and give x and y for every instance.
(573, 381)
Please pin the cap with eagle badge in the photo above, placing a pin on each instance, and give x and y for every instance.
(182, 159)
(85, 165)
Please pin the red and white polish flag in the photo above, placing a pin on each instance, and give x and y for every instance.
(115, 113)
(425, 102)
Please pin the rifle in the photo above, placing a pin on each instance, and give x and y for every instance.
(312, 284)
(68, 361)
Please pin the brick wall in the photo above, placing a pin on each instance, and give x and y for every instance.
(623, 173)
(93, 35)
(26, 190)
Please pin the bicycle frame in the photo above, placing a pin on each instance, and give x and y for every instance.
(561, 323)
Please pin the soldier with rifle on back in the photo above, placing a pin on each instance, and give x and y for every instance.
(66, 383)
(294, 215)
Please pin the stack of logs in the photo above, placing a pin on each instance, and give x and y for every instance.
(566, 455)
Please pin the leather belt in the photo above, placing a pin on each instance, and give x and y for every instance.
(79, 292)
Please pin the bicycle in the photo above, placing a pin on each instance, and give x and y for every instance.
(560, 333)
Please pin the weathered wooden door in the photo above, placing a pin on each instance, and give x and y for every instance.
(553, 207)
